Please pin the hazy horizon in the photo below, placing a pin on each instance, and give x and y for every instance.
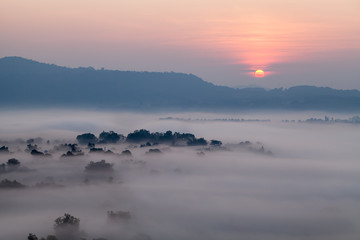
(250, 85)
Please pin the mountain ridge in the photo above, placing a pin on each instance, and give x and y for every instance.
(28, 83)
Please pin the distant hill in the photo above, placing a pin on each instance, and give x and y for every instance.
(27, 83)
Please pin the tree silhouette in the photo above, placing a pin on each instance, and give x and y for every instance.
(11, 184)
(32, 237)
(215, 143)
(4, 149)
(197, 142)
(13, 162)
(110, 137)
(67, 227)
(139, 136)
(87, 138)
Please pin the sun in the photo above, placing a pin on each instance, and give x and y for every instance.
(259, 73)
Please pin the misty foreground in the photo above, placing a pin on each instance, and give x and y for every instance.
(255, 180)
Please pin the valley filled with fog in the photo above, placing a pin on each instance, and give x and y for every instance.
(260, 178)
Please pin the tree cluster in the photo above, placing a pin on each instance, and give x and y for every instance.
(67, 227)
(71, 149)
(11, 165)
(168, 137)
(4, 149)
(7, 184)
(104, 138)
(143, 136)
(100, 150)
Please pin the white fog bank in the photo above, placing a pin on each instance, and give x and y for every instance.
(308, 188)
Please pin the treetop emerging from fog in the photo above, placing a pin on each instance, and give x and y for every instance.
(142, 136)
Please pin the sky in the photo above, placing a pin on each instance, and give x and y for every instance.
(309, 42)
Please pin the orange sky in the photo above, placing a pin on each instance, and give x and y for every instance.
(251, 34)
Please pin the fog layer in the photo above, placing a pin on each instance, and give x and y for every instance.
(306, 189)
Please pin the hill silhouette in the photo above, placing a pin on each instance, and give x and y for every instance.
(27, 83)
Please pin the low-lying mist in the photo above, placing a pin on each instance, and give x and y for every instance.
(268, 179)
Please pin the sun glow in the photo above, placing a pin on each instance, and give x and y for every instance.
(259, 73)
